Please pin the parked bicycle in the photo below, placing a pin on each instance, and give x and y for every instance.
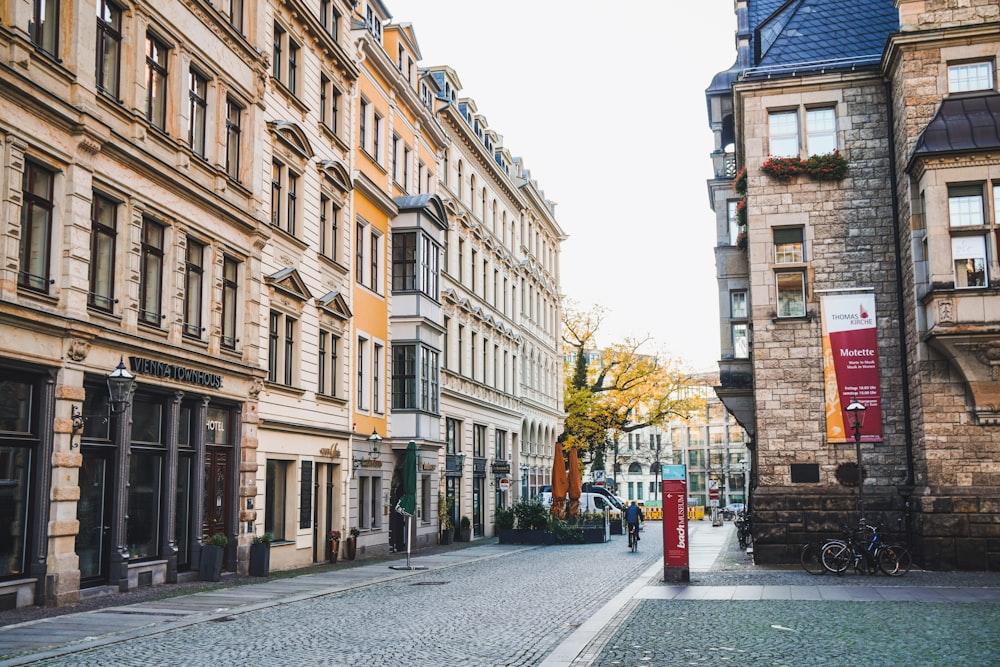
(864, 549)
(811, 557)
(744, 529)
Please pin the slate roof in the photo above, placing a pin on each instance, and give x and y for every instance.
(808, 35)
(962, 124)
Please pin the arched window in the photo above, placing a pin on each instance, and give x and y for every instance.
(634, 468)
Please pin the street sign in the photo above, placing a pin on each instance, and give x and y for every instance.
(598, 477)
(504, 484)
(713, 502)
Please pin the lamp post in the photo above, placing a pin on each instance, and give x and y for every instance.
(120, 383)
(857, 411)
(524, 481)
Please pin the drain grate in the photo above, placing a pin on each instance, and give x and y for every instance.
(428, 583)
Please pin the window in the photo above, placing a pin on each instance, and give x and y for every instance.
(276, 497)
(965, 205)
(396, 157)
(359, 254)
(361, 383)
(969, 255)
(791, 294)
(326, 363)
(156, 82)
(738, 305)
(285, 63)
(363, 125)
(194, 282)
(500, 445)
(970, 76)
(414, 377)
(236, 15)
(197, 107)
(103, 226)
(36, 227)
(329, 18)
(329, 104)
(783, 131)
(234, 113)
(375, 249)
(732, 208)
(284, 197)
(377, 150)
(329, 215)
(369, 502)
(281, 364)
(109, 41)
(404, 261)
(453, 436)
(741, 340)
(374, 23)
(788, 245)
(151, 272)
(376, 377)
(230, 294)
(821, 131)
(43, 28)
(478, 440)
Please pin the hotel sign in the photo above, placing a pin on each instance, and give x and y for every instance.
(160, 369)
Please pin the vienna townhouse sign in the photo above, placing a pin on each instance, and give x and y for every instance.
(174, 372)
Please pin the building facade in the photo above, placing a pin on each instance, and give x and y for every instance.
(236, 204)
(854, 217)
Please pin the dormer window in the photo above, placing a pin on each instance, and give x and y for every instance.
(374, 23)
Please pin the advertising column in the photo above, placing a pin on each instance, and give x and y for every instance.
(675, 532)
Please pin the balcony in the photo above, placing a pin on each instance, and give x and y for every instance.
(964, 326)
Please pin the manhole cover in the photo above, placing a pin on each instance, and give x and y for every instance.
(428, 583)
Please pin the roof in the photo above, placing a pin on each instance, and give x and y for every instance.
(807, 35)
(962, 124)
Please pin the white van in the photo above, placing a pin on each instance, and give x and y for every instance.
(589, 502)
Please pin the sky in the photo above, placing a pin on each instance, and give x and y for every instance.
(605, 103)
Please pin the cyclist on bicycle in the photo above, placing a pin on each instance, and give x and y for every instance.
(633, 515)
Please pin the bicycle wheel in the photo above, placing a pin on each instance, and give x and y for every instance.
(836, 556)
(895, 560)
(811, 559)
(635, 542)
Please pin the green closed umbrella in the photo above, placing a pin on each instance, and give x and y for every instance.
(407, 504)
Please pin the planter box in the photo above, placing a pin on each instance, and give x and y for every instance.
(521, 536)
(595, 534)
(616, 527)
(260, 560)
(210, 565)
(446, 536)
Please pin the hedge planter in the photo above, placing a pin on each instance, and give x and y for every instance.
(616, 527)
(521, 536)
(260, 560)
(594, 534)
(210, 566)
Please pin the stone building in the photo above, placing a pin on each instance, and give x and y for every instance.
(854, 166)
(207, 197)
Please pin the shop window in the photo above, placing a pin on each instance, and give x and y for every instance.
(276, 497)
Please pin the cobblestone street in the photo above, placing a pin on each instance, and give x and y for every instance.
(557, 606)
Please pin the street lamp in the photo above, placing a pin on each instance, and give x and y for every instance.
(524, 480)
(120, 383)
(857, 411)
(374, 448)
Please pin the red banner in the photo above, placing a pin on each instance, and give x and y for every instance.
(675, 533)
(850, 366)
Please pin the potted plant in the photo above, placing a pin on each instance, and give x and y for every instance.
(260, 555)
(465, 530)
(351, 544)
(334, 546)
(444, 518)
(213, 552)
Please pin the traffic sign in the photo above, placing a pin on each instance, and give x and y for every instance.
(504, 484)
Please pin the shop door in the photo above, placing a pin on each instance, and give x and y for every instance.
(478, 494)
(217, 509)
(94, 512)
(323, 513)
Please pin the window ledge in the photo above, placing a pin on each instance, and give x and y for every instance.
(284, 389)
(808, 317)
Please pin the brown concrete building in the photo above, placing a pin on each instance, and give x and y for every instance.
(857, 194)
